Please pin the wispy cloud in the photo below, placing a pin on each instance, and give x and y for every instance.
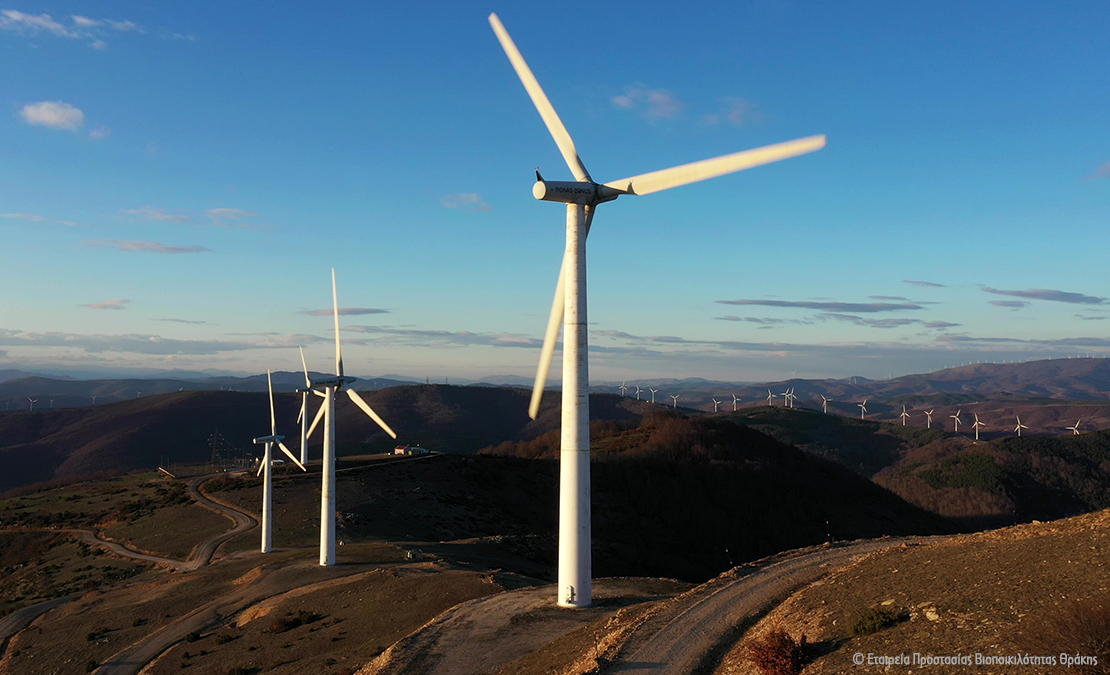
(13, 20)
(735, 111)
(871, 323)
(842, 307)
(1012, 304)
(53, 115)
(78, 28)
(471, 201)
(765, 321)
(344, 311)
(117, 303)
(1103, 171)
(1050, 295)
(930, 284)
(141, 246)
(940, 325)
(1091, 318)
(652, 104)
(197, 323)
(231, 218)
(442, 338)
(151, 213)
(36, 218)
(100, 133)
(889, 297)
(130, 343)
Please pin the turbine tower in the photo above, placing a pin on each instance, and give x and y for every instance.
(734, 401)
(1019, 426)
(33, 402)
(904, 414)
(652, 394)
(716, 403)
(770, 396)
(330, 386)
(786, 398)
(928, 419)
(1075, 430)
(623, 388)
(862, 408)
(675, 397)
(956, 421)
(977, 426)
(824, 404)
(638, 390)
(582, 196)
(267, 469)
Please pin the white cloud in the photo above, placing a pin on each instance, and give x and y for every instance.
(231, 218)
(100, 133)
(471, 201)
(36, 218)
(85, 22)
(115, 303)
(11, 19)
(99, 44)
(53, 114)
(123, 26)
(735, 111)
(151, 213)
(653, 104)
(142, 246)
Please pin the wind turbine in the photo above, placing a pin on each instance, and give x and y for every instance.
(94, 400)
(824, 404)
(904, 414)
(1021, 426)
(770, 396)
(1075, 429)
(138, 394)
(302, 417)
(675, 397)
(734, 401)
(862, 408)
(652, 394)
(956, 421)
(715, 404)
(330, 386)
(638, 390)
(33, 402)
(977, 425)
(582, 196)
(786, 398)
(268, 470)
(928, 419)
(623, 388)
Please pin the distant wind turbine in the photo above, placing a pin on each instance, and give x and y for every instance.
(1075, 429)
(862, 408)
(977, 425)
(51, 403)
(786, 398)
(267, 469)
(33, 401)
(904, 414)
(928, 419)
(715, 404)
(956, 421)
(94, 400)
(138, 394)
(623, 388)
(824, 404)
(652, 394)
(734, 401)
(638, 390)
(675, 397)
(770, 396)
(1019, 426)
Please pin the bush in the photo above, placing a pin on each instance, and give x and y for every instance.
(91, 666)
(224, 639)
(192, 637)
(1080, 627)
(778, 654)
(874, 620)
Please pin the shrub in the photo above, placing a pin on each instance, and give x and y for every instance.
(874, 620)
(1079, 627)
(224, 639)
(192, 637)
(778, 654)
(91, 666)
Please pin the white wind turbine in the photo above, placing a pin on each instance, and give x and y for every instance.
(652, 394)
(623, 388)
(715, 404)
(302, 416)
(956, 421)
(770, 396)
(582, 196)
(675, 397)
(330, 386)
(94, 400)
(786, 398)
(1019, 426)
(638, 390)
(905, 415)
(1075, 430)
(734, 401)
(824, 404)
(862, 408)
(33, 402)
(267, 469)
(928, 419)
(977, 425)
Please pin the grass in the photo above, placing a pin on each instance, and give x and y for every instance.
(171, 531)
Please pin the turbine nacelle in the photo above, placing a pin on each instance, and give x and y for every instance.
(333, 381)
(573, 192)
(268, 439)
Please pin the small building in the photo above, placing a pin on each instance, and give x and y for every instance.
(410, 450)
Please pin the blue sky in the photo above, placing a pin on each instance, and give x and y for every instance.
(177, 181)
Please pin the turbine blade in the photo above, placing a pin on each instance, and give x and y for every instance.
(550, 337)
(335, 304)
(291, 456)
(273, 419)
(261, 466)
(718, 166)
(304, 405)
(369, 411)
(539, 99)
(316, 420)
(307, 382)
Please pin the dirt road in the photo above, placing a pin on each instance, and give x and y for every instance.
(681, 638)
(202, 554)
